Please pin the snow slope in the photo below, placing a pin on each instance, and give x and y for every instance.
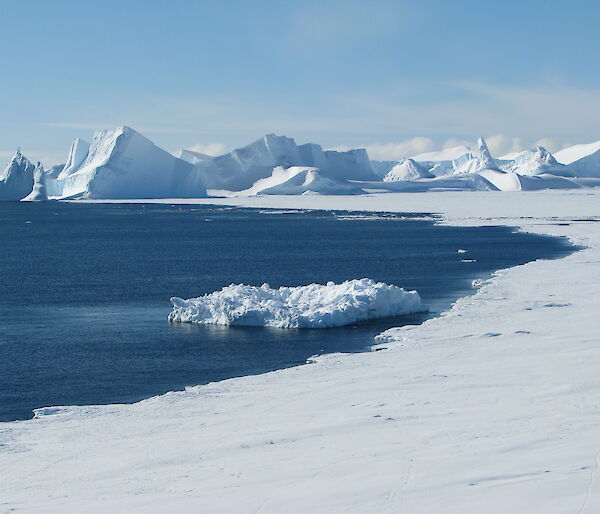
(492, 407)
(576, 152)
(16, 182)
(121, 163)
(311, 306)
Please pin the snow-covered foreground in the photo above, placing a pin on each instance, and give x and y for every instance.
(493, 407)
(311, 306)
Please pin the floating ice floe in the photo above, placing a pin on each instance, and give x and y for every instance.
(311, 306)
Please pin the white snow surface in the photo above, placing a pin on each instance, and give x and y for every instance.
(310, 306)
(576, 152)
(493, 407)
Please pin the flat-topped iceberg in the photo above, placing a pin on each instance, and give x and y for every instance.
(311, 306)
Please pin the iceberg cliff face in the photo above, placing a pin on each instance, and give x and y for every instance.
(240, 169)
(121, 163)
(312, 306)
(17, 180)
(77, 154)
(39, 192)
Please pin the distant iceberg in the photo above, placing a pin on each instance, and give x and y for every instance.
(311, 306)
(17, 180)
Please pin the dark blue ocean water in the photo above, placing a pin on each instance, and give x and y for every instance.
(84, 290)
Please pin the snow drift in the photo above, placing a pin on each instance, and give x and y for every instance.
(311, 306)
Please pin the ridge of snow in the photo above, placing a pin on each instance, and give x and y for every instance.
(574, 153)
(310, 306)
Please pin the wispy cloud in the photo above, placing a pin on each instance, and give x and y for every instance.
(150, 129)
(209, 148)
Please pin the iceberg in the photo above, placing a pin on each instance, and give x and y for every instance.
(408, 169)
(17, 180)
(240, 169)
(533, 162)
(39, 192)
(121, 163)
(77, 154)
(311, 306)
(300, 180)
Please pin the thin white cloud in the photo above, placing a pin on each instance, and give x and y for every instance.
(395, 150)
(209, 148)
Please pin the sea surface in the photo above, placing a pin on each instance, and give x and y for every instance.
(85, 289)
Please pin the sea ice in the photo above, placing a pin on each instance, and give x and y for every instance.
(311, 306)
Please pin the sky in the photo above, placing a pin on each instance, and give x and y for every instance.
(398, 77)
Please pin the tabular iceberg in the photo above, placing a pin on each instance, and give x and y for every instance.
(240, 169)
(311, 306)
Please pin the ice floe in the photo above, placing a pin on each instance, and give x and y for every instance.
(311, 306)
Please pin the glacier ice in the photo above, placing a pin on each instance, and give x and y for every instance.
(77, 154)
(310, 306)
(16, 182)
(39, 192)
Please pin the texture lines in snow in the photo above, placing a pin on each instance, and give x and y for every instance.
(311, 306)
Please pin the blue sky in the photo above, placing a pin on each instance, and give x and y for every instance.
(340, 73)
